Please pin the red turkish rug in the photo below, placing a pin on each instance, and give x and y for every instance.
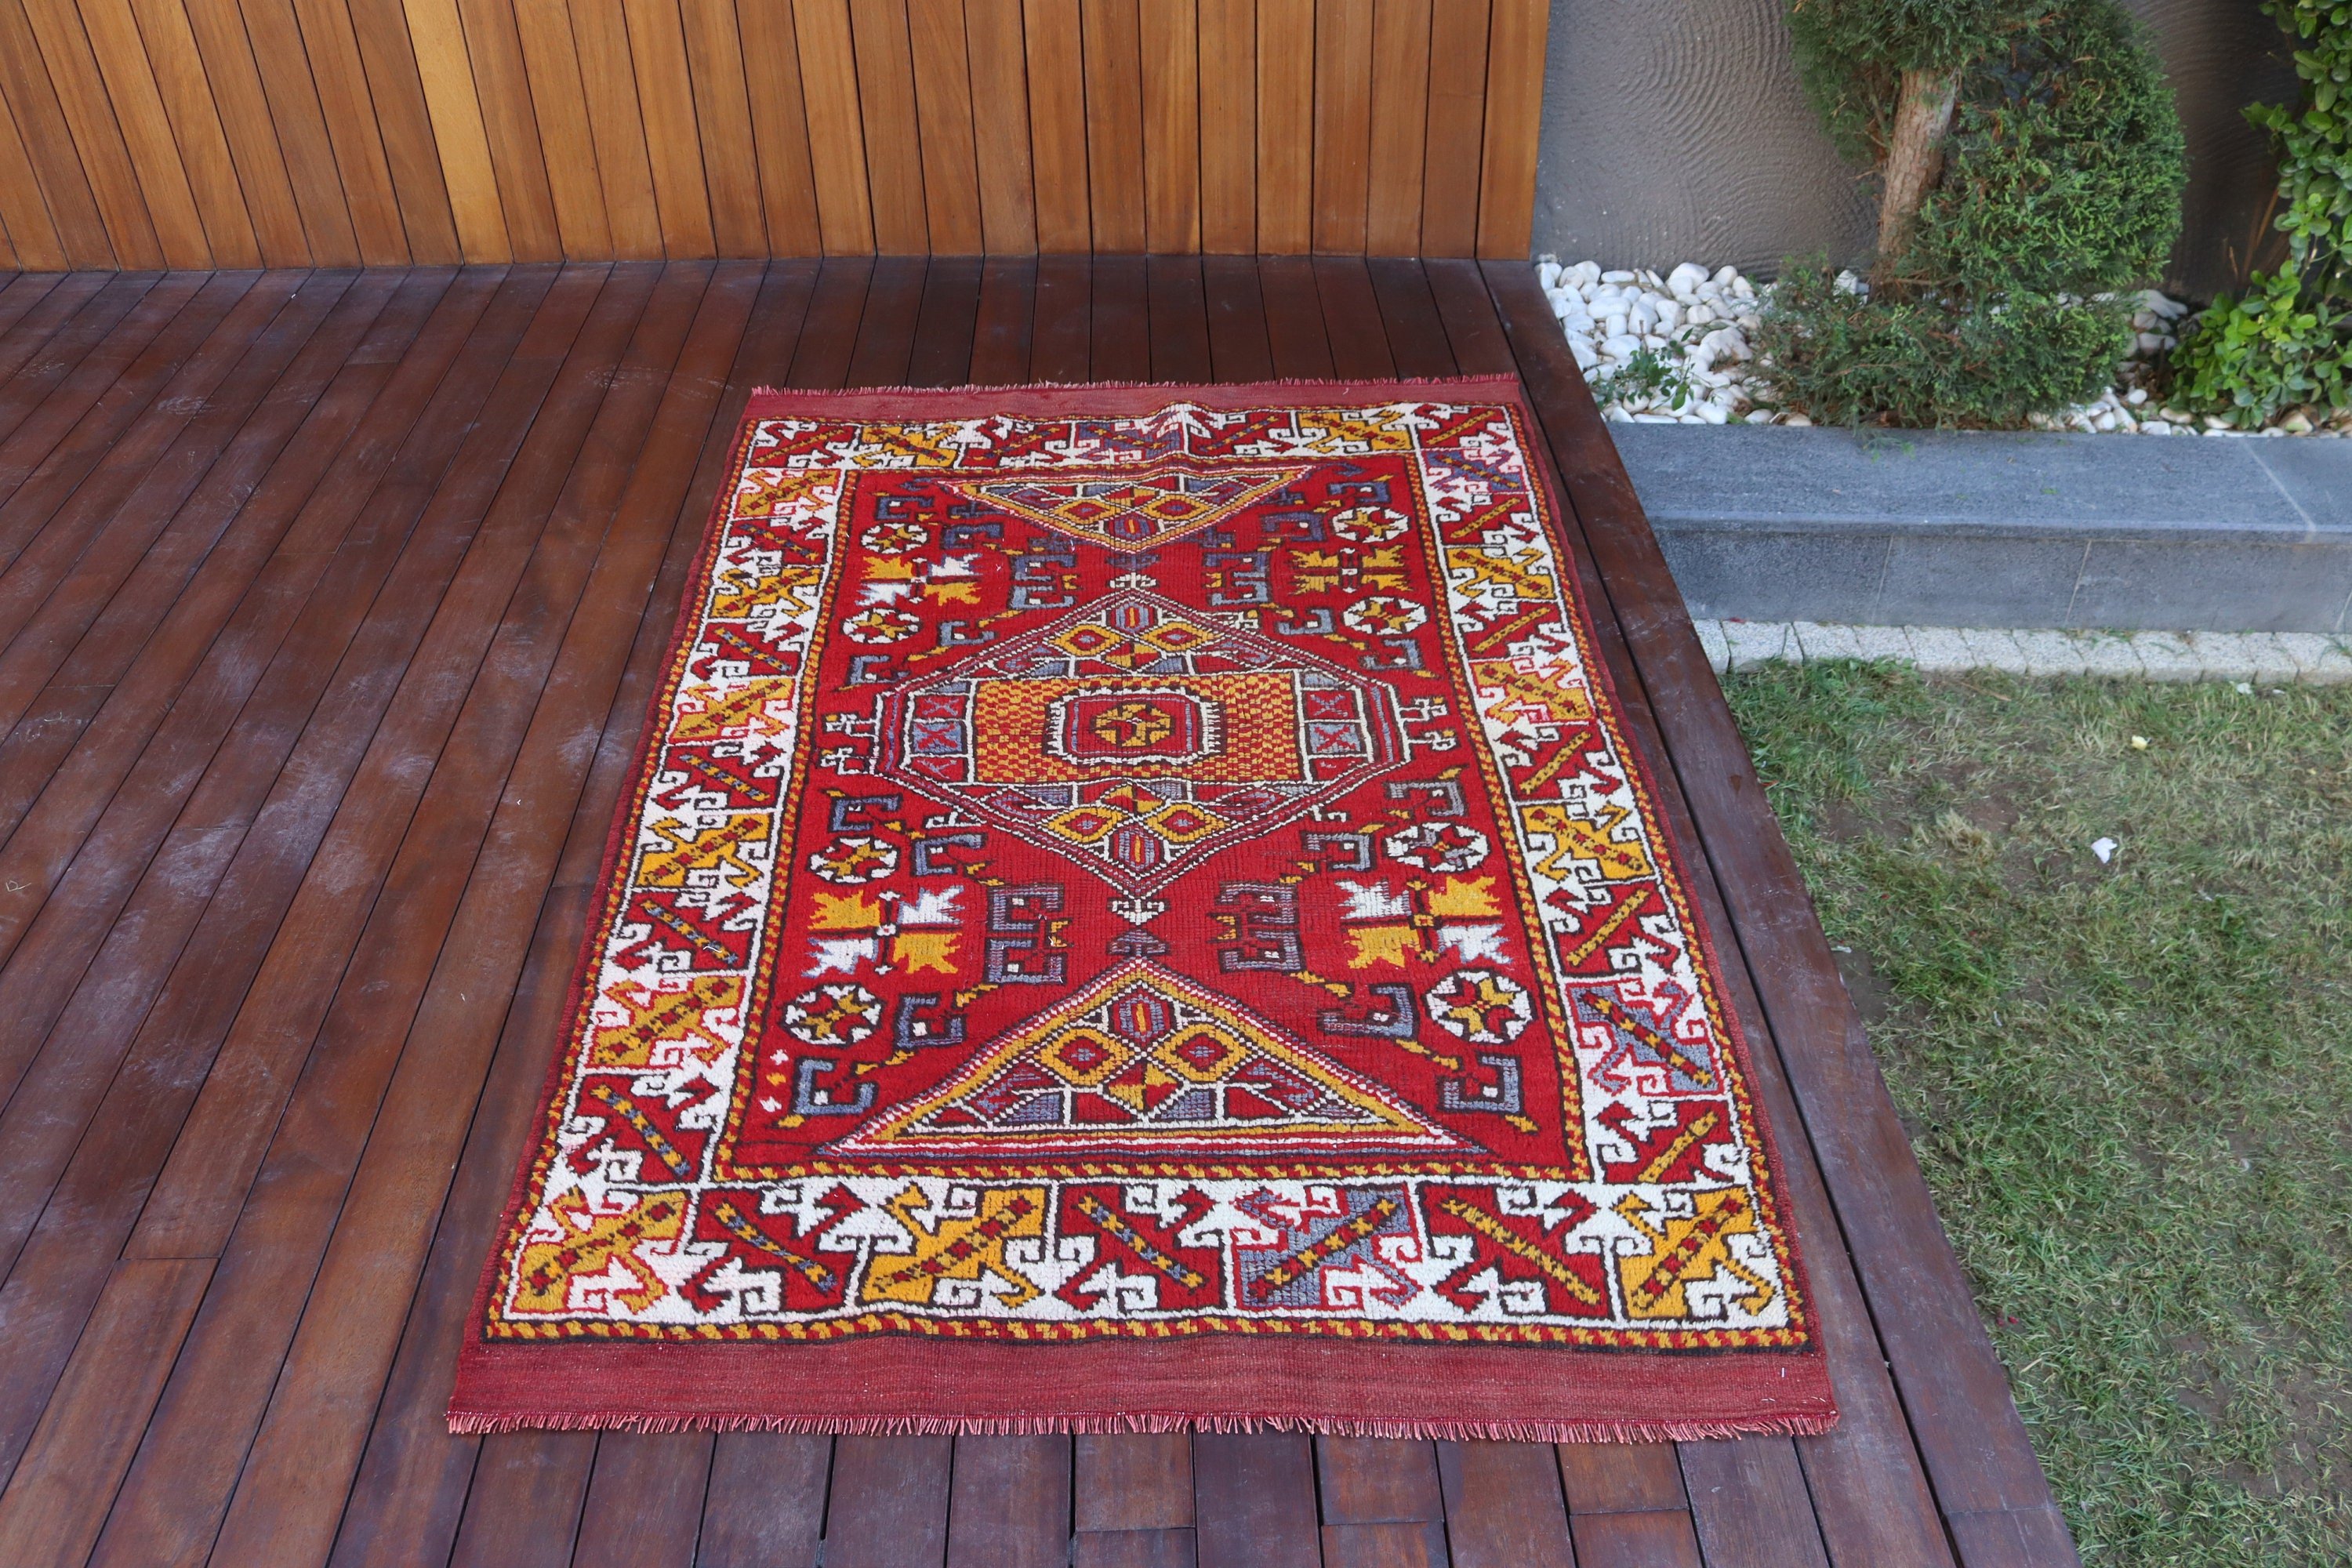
(1137, 909)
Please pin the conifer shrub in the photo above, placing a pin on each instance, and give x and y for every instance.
(2051, 186)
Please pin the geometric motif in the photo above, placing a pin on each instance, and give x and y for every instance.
(1167, 867)
(1145, 1059)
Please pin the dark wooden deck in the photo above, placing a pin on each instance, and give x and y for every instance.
(328, 608)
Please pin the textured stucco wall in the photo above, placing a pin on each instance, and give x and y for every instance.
(1675, 130)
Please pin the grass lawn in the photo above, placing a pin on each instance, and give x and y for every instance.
(2130, 1082)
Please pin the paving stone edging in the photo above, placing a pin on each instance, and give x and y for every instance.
(2267, 658)
(2028, 530)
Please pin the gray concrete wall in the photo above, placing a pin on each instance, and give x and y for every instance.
(1675, 130)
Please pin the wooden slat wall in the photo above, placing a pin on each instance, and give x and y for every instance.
(238, 133)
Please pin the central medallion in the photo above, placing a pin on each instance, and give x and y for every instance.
(1137, 738)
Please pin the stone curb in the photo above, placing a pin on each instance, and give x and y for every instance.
(2268, 659)
(2038, 531)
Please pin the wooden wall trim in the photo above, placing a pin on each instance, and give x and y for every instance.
(239, 133)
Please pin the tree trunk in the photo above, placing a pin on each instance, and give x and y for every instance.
(1915, 155)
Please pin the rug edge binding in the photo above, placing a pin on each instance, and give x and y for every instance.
(1627, 1430)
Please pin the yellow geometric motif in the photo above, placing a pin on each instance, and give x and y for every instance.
(596, 1253)
(720, 849)
(1688, 1250)
(966, 1248)
(668, 1022)
(1612, 844)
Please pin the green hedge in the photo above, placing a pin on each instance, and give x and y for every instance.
(2061, 182)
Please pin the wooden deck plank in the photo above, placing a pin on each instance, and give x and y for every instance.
(885, 332)
(55, 443)
(51, 1513)
(264, 675)
(1180, 319)
(1253, 1500)
(1866, 1475)
(412, 1484)
(1121, 334)
(1502, 1506)
(53, 310)
(765, 1508)
(262, 1192)
(224, 449)
(1011, 1503)
(1749, 1501)
(1293, 317)
(141, 651)
(369, 670)
(1059, 348)
(1378, 1480)
(1351, 318)
(1239, 349)
(1005, 314)
(944, 326)
(61, 1074)
(582, 598)
(1134, 1480)
(55, 340)
(888, 1506)
(644, 1500)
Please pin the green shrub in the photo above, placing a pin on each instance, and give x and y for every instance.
(2061, 182)
(2287, 340)
(1845, 359)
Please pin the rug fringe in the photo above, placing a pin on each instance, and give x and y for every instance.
(465, 1423)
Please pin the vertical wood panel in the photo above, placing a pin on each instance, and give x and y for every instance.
(942, 71)
(501, 87)
(1114, 68)
(885, 103)
(1171, 124)
(673, 133)
(1057, 123)
(1343, 122)
(50, 37)
(1000, 123)
(1229, 127)
(574, 177)
(780, 125)
(231, 215)
(1285, 126)
(1458, 88)
(333, 48)
(48, 146)
(331, 132)
(1399, 115)
(152, 71)
(446, 76)
(836, 135)
(608, 79)
(723, 109)
(1514, 88)
(274, 116)
(405, 124)
(32, 236)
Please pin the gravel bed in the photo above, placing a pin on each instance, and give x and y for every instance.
(1674, 348)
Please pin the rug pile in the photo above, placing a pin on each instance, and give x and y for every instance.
(1137, 910)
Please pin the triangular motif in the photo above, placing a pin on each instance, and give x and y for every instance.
(1143, 1063)
(1128, 508)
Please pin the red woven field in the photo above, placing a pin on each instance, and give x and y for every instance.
(1137, 911)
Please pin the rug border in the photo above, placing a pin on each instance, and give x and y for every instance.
(1798, 1380)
